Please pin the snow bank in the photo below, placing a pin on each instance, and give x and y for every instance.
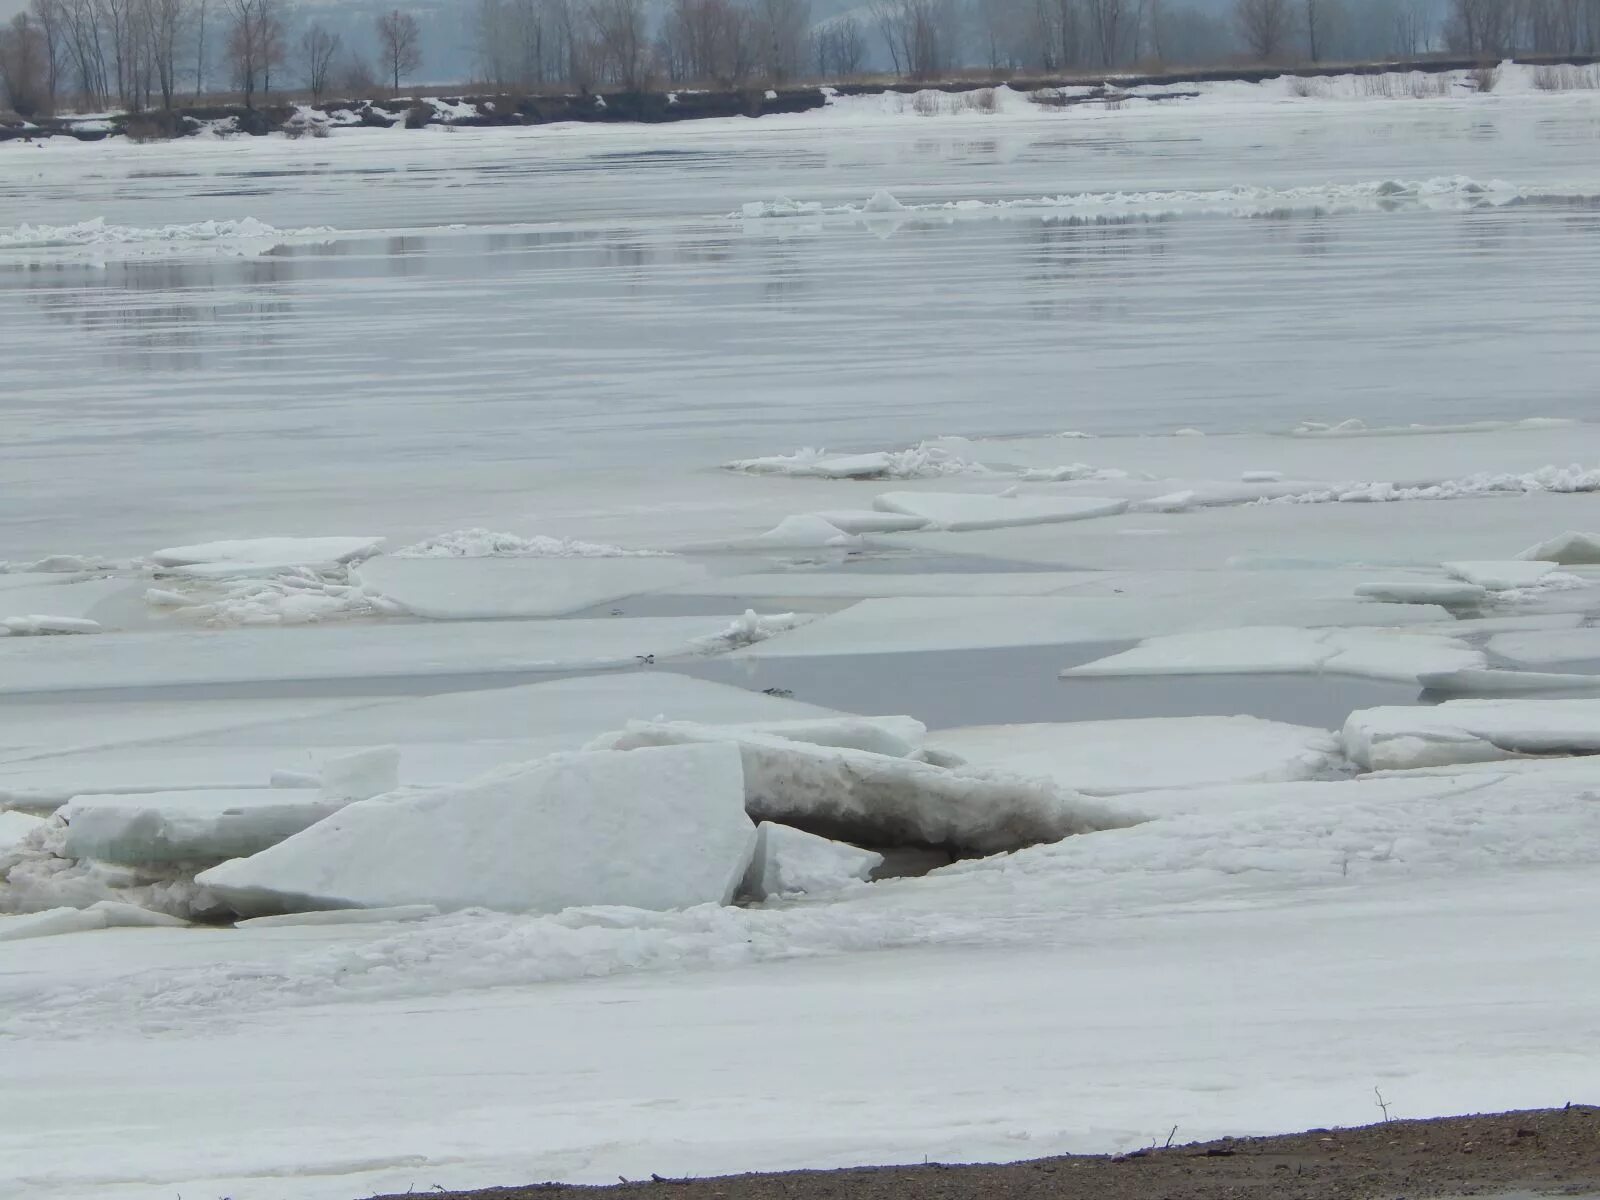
(790, 862)
(1401, 655)
(485, 543)
(460, 587)
(878, 800)
(1569, 549)
(658, 830)
(1111, 757)
(1470, 731)
(958, 512)
(195, 828)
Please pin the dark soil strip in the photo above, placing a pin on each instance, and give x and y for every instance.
(1553, 1152)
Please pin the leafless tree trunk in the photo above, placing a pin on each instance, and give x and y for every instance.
(24, 67)
(1106, 21)
(1264, 26)
(621, 41)
(318, 49)
(48, 17)
(399, 45)
(1482, 27)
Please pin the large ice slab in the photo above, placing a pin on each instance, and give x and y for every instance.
(1501, 576)
(1401, 655)
(789, 861)
(164, 658)
(1108, 757)
(878, 800)
(103, 914)
(253, 555)
(958, 512)
(1423, 592)
(1536, 647)
(1489, 682)
(1568, 549)
(198, 828)
(1470, 731)
(659, 830)
(490, 587)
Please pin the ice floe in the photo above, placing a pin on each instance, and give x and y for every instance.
(1470, 731)
(1539, 646)
(487, 543)
(1424, 592)
(193, 828)
(789, 862)
(660, 829)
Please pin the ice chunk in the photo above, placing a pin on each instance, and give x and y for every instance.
(1547, 646)
(474, 588)
(343, 916)
(750, 629)
(896, 737)
(14, 826)
(660, 830)
(1107, 757)
(487, 543)
(197, 828)
(1170, 502)
(873, 799)
(1500, 576)
(789, 861)
(1470, 731)
(1423, 592)
(104, 914)
(119, 915)
(361, 775)
(1503, 683)
(806, 531)
(1569, 549)
(861, 520)
(958, 512)
(1400, 655)
(250, 555)
(37, 625)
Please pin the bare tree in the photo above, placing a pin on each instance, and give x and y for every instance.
(252, 40)
(620, 42)
(920, 35)
(1107, 21)
(48, 18)
(166, 26)
(1482, 27)
(24, 67)
(709, 41)
(1264, 26)
(779, 28)
(399, 45)
(356, 77)
(318, 48)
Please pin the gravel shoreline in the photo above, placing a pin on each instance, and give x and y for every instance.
(1544, 1152)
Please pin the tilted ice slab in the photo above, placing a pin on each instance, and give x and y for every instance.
(1401, 655)
(789, 861)
(1501, 576)
(1108, 757)
(658, 830)
(1536, 647)
(103, 914)
(957, 512)
(913, 623)
(254, 554)
(448, 588)
(1569, 549)
(42, 625)
(1504, 683)
(1470, 731)
(166, 658)
(1423, 592)
(201, 828)
(875, 799)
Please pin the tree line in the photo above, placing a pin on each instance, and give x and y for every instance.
(140, 54)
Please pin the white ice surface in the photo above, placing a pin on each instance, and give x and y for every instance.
(1540, 646)
(1470, 731)
(958, 512)
(789, 861)
(490, 587)
(166, 658)
(1107, 757)
(1398, 654)
(658, 830)
(895, 624)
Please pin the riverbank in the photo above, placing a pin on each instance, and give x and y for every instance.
(1553, 1152)
(976, 94)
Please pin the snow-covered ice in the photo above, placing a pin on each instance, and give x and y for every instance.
(1471, 731)
(660, 829)
(486, 587)
(1108, 757)
(790, 861)
(877, 799)
(1401, 655)
(958, 512)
